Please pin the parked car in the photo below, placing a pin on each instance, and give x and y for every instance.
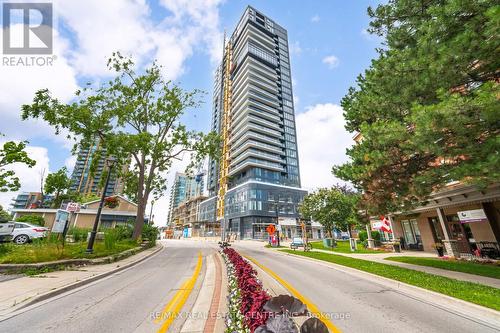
(25, 232)
(6, 229)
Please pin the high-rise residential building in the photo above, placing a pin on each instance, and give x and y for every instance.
(184, 188)
(86, 182)
(257, 178)
(32, 200)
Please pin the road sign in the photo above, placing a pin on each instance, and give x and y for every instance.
(271, 229)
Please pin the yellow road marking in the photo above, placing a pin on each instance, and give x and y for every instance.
(172, 302)
(173, 308)
(310, 306)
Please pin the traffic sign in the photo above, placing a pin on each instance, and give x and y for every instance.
(271, 229)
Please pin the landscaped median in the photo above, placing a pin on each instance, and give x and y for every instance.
(467, 291)
(50, 254)
(477, 268)
(251, 309)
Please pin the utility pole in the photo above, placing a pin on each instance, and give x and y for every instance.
(90, 246)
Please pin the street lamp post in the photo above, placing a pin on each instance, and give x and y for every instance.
(110, 161)
(277, 223)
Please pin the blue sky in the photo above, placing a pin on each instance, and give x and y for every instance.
(328, 47)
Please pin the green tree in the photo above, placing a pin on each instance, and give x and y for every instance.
(427, 108)
(57, 183)
(334, 207)
(33, 219)
(4, 215)
(10, 153)
(135, 116)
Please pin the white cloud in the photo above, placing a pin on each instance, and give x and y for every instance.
(331, 61)
(294, 48)
(322, 142)
(29, 177)
(18, 85)
(70, 162)
(315, 18)
(102, 27)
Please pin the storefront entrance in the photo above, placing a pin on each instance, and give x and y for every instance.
(411, 235)
(461, 233)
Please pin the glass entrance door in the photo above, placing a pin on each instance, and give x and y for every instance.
(411, 232)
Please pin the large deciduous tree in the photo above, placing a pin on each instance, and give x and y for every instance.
(135, 116)
(57, 183)
(12, 152)
(428, 107)
(334, 207)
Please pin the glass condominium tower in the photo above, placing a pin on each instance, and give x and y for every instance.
(256, 182)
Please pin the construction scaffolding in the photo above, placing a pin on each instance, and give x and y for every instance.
(225, 130)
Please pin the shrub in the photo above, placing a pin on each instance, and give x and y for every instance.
(32, 219)
(123, 232)
(150, 233)
(363, 235)
(79, 234)
(110, 239)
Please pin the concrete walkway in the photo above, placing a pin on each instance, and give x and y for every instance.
(380, 258)
(18, 292)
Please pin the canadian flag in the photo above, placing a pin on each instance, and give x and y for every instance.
(386, 225)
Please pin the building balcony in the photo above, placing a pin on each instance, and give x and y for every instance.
(256, 163)
(256, 144)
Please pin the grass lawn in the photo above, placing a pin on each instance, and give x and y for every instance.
(490, 270)
(274, 247)
(467, 291)
(49, 251)
(343, 247)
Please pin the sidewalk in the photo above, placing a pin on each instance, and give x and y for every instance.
(380, 258)
(19, 292)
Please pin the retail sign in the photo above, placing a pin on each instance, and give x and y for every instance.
(287, 221)
(475, 215)
(73, 207)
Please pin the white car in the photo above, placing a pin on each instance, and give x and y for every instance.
(6, 229)
(25, 232)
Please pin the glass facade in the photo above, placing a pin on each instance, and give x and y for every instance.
(263, 166)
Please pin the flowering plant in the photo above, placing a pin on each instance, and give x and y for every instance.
(250, 295)
(111, 202)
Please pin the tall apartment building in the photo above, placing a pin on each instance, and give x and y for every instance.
(184, 188)
(257, 178)
(82, 179)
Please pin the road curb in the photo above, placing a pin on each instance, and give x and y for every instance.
(81, 283)
(451, 304)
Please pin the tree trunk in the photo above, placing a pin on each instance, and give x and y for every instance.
(141, 206)
(139, 220)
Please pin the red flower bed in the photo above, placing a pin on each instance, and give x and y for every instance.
(253, 297)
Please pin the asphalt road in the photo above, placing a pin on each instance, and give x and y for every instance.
(357, 304)
(124, 302)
